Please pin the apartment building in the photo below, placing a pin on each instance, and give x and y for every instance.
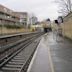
(23, 18)
(33, 20)
(8, 16)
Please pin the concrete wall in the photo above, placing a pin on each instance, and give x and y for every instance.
(10, 31)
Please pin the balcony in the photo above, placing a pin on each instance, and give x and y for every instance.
(7, 18)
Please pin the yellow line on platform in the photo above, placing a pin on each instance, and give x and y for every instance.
(50, 60)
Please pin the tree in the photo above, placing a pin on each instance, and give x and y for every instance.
(64, 6)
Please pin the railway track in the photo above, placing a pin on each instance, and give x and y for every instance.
(19, 58)
(11, 42)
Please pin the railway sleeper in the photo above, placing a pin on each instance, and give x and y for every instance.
(17, 69)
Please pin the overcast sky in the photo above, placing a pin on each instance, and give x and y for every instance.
(41, 8)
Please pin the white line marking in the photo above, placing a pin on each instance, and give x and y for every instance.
(31, 63)
(50, 59)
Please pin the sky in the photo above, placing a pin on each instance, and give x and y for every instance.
(43, 9)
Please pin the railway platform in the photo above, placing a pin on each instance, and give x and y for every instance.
(53, 54)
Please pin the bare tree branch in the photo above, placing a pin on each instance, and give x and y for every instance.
(64, 6)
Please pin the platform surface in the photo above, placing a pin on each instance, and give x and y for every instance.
(53, 54)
